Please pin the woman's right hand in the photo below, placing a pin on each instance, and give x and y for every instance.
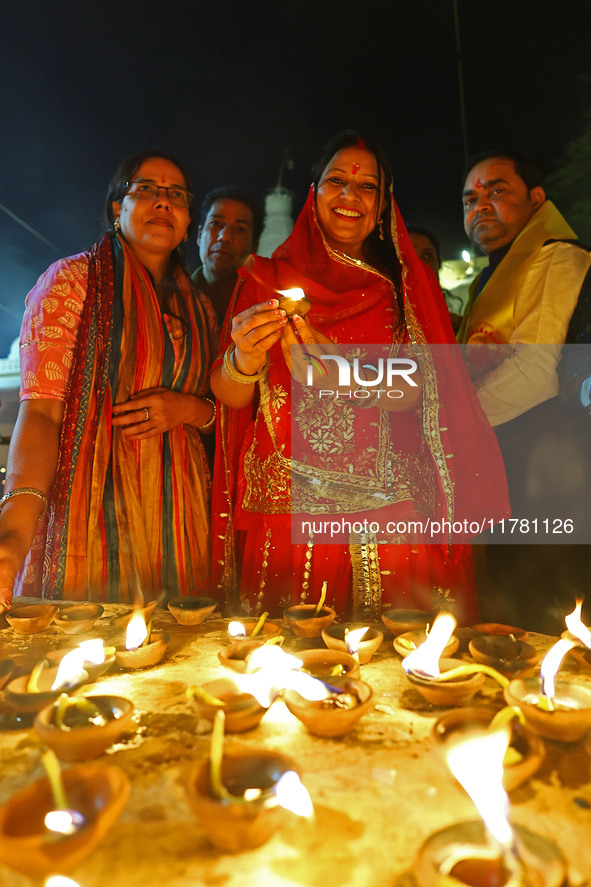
(254, 332)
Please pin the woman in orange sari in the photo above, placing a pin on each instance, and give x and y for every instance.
(287, 452)
(107, 478)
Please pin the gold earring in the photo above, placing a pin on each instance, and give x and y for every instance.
(117, 225)
(380, 229)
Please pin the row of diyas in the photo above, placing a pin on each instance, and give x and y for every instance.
(256, 668)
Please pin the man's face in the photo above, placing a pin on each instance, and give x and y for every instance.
(225, 239)
(497, 204)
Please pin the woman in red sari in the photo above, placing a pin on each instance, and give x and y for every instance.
(107, 475)
(389, 459)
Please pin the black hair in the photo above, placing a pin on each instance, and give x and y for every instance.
(379, 253)
(526, 165)
(125, 173)
(232, 192)
(430, 236)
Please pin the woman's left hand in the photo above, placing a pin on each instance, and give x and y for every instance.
(151, 412)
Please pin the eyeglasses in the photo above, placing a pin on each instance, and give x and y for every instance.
(149, 191)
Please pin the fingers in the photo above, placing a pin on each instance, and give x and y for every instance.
(125, 416)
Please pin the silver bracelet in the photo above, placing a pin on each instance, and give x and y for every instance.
(25, 491)
(210, 422)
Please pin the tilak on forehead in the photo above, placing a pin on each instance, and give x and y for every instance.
(355, 168)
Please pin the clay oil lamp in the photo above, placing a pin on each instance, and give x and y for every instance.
(558, 710)
(78, 618)
(487, 853)
(241, 798)
(328, 710)
(525, 753)
(504, 653)
(97, 659)
(192, 610)
(53, 824)
(31, 619)
(498, 629)
(328, 664)
(147, 612)
(235, 656)
(259, 629)
(143, 647)
(80, 728)
(399, 621)
(408, 641)
(241, 709)
(445, 682)
(33, 692)
(360, 641)
(310, 620)
(294, 301)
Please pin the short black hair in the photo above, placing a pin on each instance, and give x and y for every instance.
(526, 165)
(232, 192)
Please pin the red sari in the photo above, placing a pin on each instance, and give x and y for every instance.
(404, 460)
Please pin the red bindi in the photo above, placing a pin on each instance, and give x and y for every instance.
(478, 184)
(355, 168)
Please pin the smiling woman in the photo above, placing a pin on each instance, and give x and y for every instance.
(291, 456)
(115, 350)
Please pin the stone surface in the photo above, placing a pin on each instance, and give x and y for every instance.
(378, 792)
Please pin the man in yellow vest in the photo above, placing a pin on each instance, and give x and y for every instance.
(521, 306)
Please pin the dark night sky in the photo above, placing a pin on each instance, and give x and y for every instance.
(227, 85)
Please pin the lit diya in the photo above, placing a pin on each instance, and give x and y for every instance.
(143, 647)
(329, 709)
(43, 685)
(555, 709)
(361, 641)
(241, 798)
(294, 301)
(490, 853)
(53, 824)
(444, 682)
(96, 658)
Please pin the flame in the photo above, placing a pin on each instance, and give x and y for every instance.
(269, 670)
(353, 638)
(425, 659)
(93, 651)
(477, 764)
(60, 881)
(293, 796)
(576, 626)
(70, 670)
(137, 631)
(551, 664)
(236, 630)
(64, 822)
(295, 294)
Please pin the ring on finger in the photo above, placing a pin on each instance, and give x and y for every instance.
(147, 414)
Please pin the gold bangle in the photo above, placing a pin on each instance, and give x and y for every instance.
(210, 422)
(235, 375)
(25, 491)
(368, 402)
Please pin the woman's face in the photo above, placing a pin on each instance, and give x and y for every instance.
(347, 200)
(154, 225)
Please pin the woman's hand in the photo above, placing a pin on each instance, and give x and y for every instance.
(254, 332)
(310, 336)
(151, 412)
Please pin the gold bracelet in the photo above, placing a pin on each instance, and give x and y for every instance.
(235, 375)
(25, 491)
(368, 402)
(210, 422)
